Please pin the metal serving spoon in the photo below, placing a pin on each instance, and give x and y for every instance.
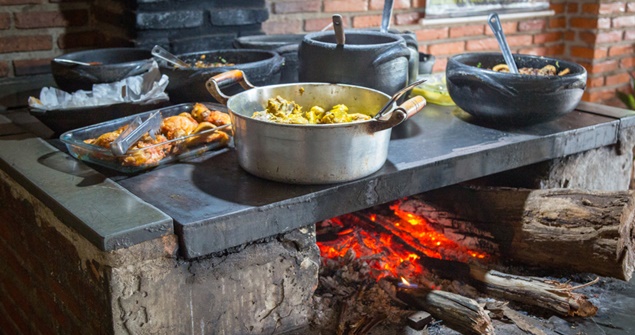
(388, 106)
(161, 53)
(386, 16)
(76, 62)
(495, 24)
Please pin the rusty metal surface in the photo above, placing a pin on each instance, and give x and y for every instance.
(216, 205)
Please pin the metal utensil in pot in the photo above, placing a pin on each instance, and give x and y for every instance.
(310, 153)
(165, 55)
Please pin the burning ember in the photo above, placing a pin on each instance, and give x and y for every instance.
(391, 244)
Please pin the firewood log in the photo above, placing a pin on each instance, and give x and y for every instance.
(460, 313)
(578, 230)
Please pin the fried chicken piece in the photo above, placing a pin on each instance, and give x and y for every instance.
(178, 126)
(147, 156)
(105, 139)
(215, 136)
(201, 113)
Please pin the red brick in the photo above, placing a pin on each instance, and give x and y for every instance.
(611, 8)
(4, 69)
(481, 45)
(440, 64)
(337, 6)
(508, 28)
(590, 8)
(559, 22)
(584, 22)
(5, 21)
(601, 37)
(598, 95)
(285, 7)
(572, 7)
(432, 34)
(25, 43)
(531, 25)
(69, 18)
(548, 37)
(595, 82)
(366, 21)
(319, 24)
(408, 18)
(588, 53)
(618, 79)
(603, 67)
(538, 51)
(570, 35)
(282, 27)
(78, 39)
(29, 67)
(610, 36)
(446, 48)
(629, 35)
(418, 3)
(558, 8)
(627, 62)
(630, 7)
(473, 30)
(624, 21)
(555, 50)
(398, 4)
(604, 23)
(621, 50)
(519, 40)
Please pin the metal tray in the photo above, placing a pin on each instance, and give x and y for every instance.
(172, 150)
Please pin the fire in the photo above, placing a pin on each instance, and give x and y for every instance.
(391, 245)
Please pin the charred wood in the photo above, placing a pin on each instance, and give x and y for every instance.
(460, 313)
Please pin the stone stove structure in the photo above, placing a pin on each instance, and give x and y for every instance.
(202, 247)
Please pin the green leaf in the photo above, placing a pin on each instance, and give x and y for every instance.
(627, 99)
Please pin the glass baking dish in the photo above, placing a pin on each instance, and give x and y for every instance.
(139, 159)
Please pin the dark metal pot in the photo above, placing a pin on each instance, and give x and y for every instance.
(312, 153)
(188, 84)
(284, 44)
(513, 99)
(368, 58)
(114, 64)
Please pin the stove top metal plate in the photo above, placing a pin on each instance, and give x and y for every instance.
(216, 205)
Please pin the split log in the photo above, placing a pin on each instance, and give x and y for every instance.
(460, 313)
(535, 291)
(578, 230)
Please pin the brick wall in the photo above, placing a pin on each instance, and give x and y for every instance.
(45, 286)
(599, 34)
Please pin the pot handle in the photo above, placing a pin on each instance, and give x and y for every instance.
(468, 79)
(394, 52)
(229, 77)
(403, 112)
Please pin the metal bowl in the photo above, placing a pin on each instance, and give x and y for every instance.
(111, 65)
(513, 99)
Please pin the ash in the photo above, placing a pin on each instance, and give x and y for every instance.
(349, 301)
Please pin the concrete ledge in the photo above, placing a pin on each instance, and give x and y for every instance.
(98, 208)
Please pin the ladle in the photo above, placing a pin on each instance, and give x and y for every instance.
(388, 106)
(161, 53)
(495, 24)
(76, 62)
(386, 16)
(340, 38)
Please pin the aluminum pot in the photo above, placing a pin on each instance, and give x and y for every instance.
(313, 153)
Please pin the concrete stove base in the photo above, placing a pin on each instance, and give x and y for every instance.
(54, 280)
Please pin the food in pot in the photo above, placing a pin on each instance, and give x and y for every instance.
(280, 110)
(149, 150)
(547, 70)
(202, 63)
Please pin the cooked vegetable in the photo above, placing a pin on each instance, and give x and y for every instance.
(281, 110)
